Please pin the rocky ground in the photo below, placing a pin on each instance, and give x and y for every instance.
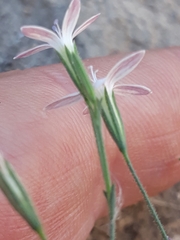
(124, 25)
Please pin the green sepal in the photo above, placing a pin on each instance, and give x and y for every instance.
(68, 67)
(85, 86)
(113, 121)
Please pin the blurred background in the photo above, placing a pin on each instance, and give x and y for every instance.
(124, 25)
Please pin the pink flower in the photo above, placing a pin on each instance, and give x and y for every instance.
(110, 82)
(58, 38)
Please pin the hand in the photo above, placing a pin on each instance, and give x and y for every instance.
(55, 154)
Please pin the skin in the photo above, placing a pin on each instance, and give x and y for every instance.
(55, 154)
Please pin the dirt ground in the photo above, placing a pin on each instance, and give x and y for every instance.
(135, 222)
(130, 25)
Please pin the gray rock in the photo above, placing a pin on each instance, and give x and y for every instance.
(123, 26)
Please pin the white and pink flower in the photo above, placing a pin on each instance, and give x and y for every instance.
(58, 38)
(110, 82)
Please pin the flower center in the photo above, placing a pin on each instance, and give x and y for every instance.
(99, 87)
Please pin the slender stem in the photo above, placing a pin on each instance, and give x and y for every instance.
(112, 207)
(145, 195)
(79, 75)
(96, 123)
(110, 189)
(112, 230)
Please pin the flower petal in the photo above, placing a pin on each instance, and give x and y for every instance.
(133, 89)
(85, 25)
(71, 17)
(41, 34)
(32, 51)
(123, 68)
(67, 100)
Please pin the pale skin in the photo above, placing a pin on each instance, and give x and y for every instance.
(55, 154)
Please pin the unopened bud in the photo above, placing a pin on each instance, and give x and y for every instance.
(16, 194)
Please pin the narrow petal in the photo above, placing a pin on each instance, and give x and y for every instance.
(32, 51)
(71, 17)
(85, 25)
(69, 99)
(124, 67)
(40, 33)
(133, 89)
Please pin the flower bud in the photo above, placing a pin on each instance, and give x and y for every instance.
(16, 194)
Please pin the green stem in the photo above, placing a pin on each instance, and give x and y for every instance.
(145, 195)
(112, 230)
(112, 207)
(96, 123)
(110, 189)
(78, 73)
